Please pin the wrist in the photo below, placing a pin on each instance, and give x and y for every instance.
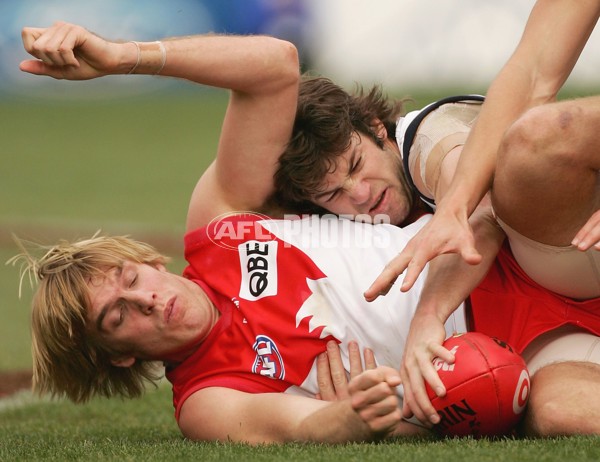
(428, 314)
(455, 203)
(150, 58)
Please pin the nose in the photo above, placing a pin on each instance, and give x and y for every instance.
(145, 300)
(359, 191)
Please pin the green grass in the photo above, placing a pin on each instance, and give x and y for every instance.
(128, 162)
(129, 167)
(145, 430)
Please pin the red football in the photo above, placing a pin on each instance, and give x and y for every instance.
(487, 387)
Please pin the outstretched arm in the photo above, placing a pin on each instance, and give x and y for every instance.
(261, 72)
(553, 39)
(222, 414)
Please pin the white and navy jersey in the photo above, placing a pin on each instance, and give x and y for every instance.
(407, 127)
(286, 287)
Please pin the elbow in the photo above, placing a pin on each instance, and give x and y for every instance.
(284, 64)
(290, 67)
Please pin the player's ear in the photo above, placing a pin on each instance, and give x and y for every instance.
(123, 361)
(379, 128)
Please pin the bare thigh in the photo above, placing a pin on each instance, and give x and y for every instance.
(546, 182)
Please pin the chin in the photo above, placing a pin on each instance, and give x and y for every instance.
(394, 216)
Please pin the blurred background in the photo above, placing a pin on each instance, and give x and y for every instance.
(122, 154)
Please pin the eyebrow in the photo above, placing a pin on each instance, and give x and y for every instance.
(350, 164)
(106, 307)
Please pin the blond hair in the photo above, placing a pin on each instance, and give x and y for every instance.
(68, 358)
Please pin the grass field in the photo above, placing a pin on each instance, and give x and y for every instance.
(128, 167)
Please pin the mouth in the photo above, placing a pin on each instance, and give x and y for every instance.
(170, 310)
(378, 203)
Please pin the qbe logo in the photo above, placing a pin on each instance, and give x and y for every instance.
(268, 360)
(258, 267)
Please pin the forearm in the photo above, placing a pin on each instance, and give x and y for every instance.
(256, 64)
(450, 280)
(335, 423)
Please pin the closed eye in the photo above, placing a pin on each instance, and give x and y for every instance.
(356, 166)
(333, 195)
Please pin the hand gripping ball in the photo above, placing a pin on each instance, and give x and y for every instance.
(487, 387)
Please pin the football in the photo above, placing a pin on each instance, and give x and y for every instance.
(487, 387)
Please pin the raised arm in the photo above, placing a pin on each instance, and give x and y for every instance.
(261, 72)
(553, 39)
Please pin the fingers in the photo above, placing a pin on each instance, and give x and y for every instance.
(54, 45)
(29, 35)
(419, 366)
(440, 352)
(374, 386)
(337, 370)
(413, 271)
(429, 248)
(470, 255)
(589, 234)
(356, 366)
(421, 405)
(381, 416)
(356, 361)
(442, 235)
(383, 283)
(373, 377)
(331, 374)
(413, 264)
(370, 362)
(416, 401)
(414, 375)
(374, 398)
(326, 388)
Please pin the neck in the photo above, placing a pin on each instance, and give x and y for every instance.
(418, 209)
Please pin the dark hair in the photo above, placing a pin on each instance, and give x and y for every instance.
(326, 118)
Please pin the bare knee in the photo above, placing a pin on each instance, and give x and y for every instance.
(532, 132)
(545, 131)
(540, 169)
(564, 400)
